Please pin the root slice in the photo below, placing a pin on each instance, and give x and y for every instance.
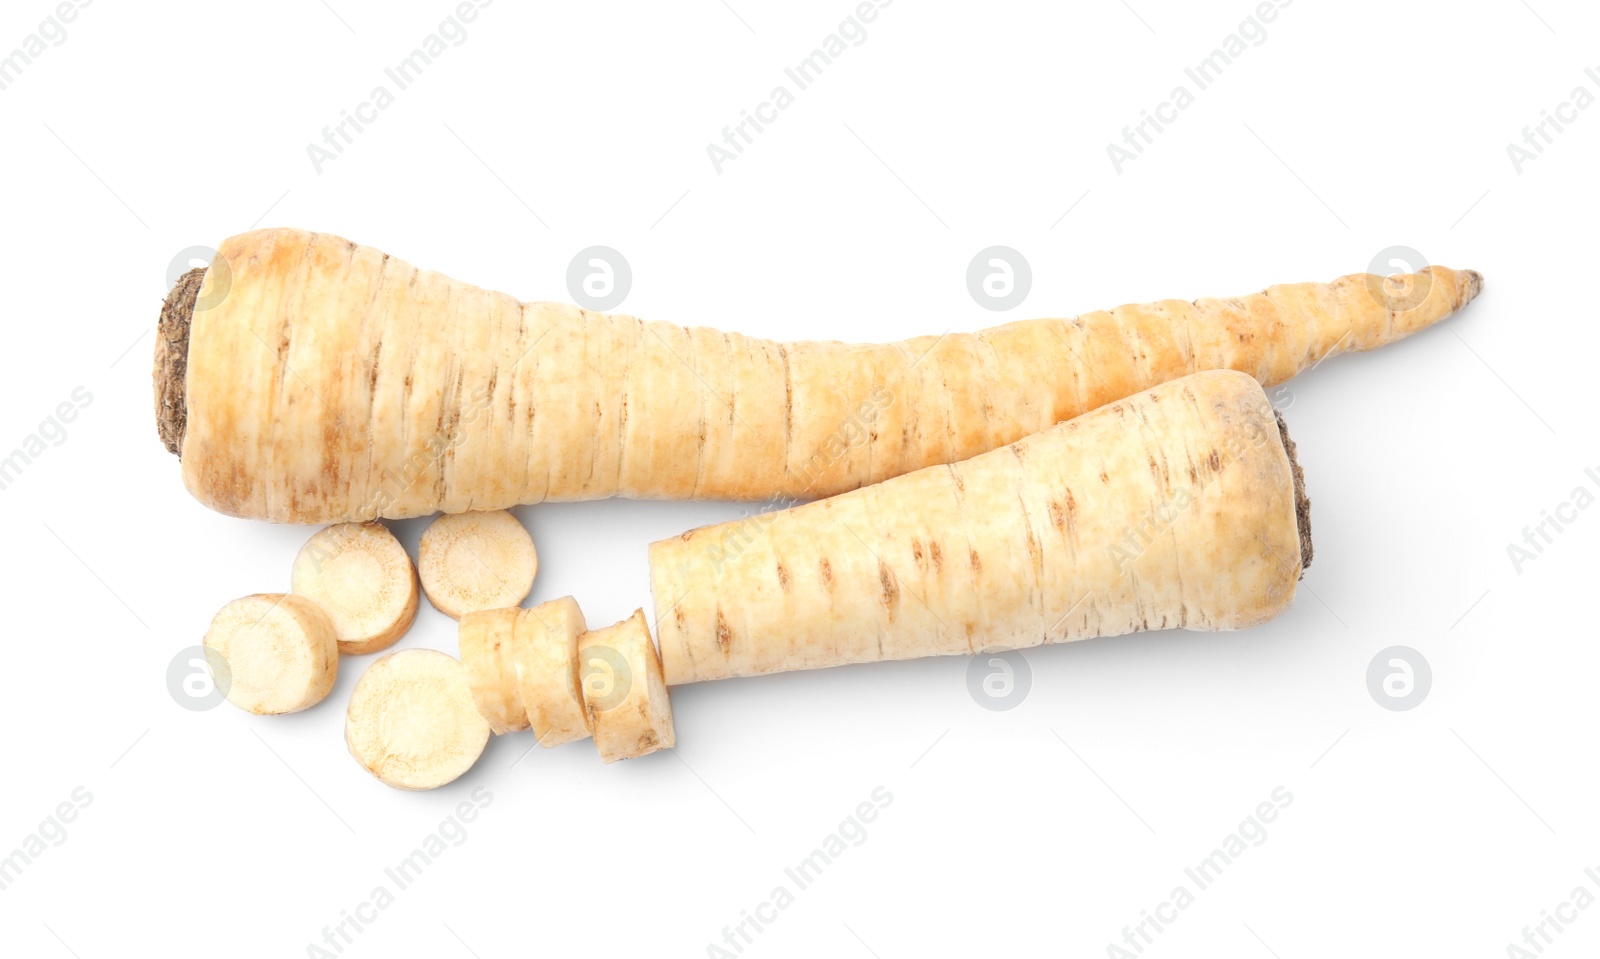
(363, 579)
(487, 639)
(476, 561)
(280, 651)
(412, 722)
(623, 691)
(522, 666)
(546, 656)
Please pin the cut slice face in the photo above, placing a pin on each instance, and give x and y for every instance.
(363, 579)
(280, 652)
(411, 721)
(488, 639)
(546, 656)
(623, 692)
(475, 561)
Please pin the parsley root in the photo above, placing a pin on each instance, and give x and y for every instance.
(1181, 506)
(304, 379)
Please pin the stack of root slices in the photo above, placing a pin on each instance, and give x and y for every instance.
(420, 718)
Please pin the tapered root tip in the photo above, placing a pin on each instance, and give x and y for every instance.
(1302, 502)
(1471, 286)
(172, 359)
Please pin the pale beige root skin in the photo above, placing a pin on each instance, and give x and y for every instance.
(363, 579)
(639, 722)
(334, 383)
(280, 651)
(546, 657)
(476, 561)
(488, 640)
(1009, 549)
(411, 720)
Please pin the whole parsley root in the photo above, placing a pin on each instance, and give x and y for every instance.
(305, 379)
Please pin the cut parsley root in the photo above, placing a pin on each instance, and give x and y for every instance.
(624, 694)
(412, 722)
(476, 561)
(541, 668)
(487, 641)
(1181, 506)
(547, 670)
(363, 579)
(523, 669)
(280, 652)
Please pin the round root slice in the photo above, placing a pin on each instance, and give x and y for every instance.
(473, 561)
(363, 579)
(280, 652)
(487, 639)
(411, 720)
(546, 656)
(623, 692)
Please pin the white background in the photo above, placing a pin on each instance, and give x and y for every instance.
(1045, 829)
